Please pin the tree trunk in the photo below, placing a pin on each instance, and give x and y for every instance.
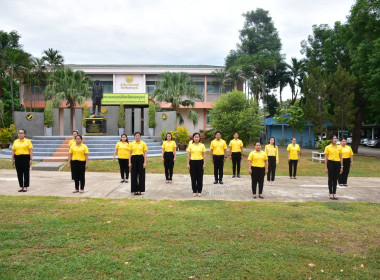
(356, 135)
(72, 118)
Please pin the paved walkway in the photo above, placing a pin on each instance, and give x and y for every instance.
(107, 185)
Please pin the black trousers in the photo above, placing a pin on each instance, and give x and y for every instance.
(236, 160)
(257, 177)
(218, 167)
(124, 167)
(78, 168)
(333, 168)
(22, 168)
(272, 168)
(293, 167)
(137, 174)
(196, 174)
(342, 179)
(169, 165)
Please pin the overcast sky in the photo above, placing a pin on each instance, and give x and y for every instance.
(157, 31)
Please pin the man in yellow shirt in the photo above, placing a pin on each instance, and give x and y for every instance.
(236, 154)
(218, 154)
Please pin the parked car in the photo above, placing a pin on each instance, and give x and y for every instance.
(373, 143)
(363, 141)
(349, 140)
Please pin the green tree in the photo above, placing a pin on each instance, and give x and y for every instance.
(152, 115)
(296, 73)
(53, 59)
(48, 114)
(316, 100)
(342, 91)
(176, 88)
(293, 117)
(235, 112)
(121, 116)
(74, 87)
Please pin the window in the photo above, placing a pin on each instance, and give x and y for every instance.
(213, 87)
(208, 118)
(150, 86)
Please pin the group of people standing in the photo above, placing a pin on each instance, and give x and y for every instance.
(133, 155)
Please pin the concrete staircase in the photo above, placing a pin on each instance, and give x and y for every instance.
(55, 148)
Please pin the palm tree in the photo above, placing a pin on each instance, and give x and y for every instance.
(39, 68)
(284, 78)
(177, 89)
(296, 71)
(233, 76)
(53, 59)
(74, 87)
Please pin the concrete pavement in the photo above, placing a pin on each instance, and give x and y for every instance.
(107, 185)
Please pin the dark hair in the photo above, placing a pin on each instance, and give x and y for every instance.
(22, 130)
(166, 138)
(197, 133)
(344, 138)
(75, 131)
(137, 132)
(294, 138)
(80, 136)
(218, 132)
(332, 136)
(125, 136)
(236, 133)
(274, 143)
(257, 142)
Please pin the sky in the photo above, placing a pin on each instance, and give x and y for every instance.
(157, 31)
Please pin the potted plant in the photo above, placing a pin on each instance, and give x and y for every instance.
(85, 115)
(48, 118)
(121, 119)
(182, 134)
(152, 118)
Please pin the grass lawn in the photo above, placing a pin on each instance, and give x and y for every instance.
(80, 238)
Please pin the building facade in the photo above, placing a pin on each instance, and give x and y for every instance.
(133, 85)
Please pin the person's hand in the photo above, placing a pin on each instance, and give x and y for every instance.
(352, 163)
(113, 159)
(130, 165)
(266, 170)
(144, 165)
(224, 160)
(341, 170)
(250, 171)
(163, 160)
(231, 157)
(327, 171)
(276, 163)
(204, 165)
(13, 162)
(68, 166)
(288, 159)
(174, 159)
(30, 162)
(188, 166)
(86, 166)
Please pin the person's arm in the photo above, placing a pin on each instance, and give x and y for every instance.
(162, 155)
(204, 162)
(13, 157)
(277, 156)
(211, 150)
(327, 171)
(31, 156)
(175, 153)
(188, 160)
(130, 158)
(341, 163)
(69, 161)
(230, 152)
(288, 155)
(145, 155)
(266, 166)
(225, 154)
(114, 154)
(352, 160)
(299, 155)
(242, 156)
(86, 155)
(250, 167)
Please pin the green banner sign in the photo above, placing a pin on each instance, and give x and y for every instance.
(125, 98)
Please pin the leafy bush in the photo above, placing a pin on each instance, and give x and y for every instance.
(152, 115)
(121, 117)
(182, 135)
(8, 134)
(48, 114)
(323, 145)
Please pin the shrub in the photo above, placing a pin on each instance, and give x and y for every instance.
(182, 135)
(48, 114)
(323, 145)
(121, 117)
(152, 115)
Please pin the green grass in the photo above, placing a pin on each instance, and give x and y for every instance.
(74, 238)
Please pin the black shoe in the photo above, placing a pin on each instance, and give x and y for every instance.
(122, 181)
(335, 198)
(260, 196)
(216, 181)
(221, 182)
(238, 175)
(254, 197)
(20, 190)
(291, 177)
(294, 178)
(233, 176)
(331, 198)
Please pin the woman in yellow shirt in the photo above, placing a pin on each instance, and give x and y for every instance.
(293, 156)
(258, 166)
(196, 163)
(72, 142)
(271, 151)
(137, 153)
(22, 157)
(169, 156)
(78, 162)
(333, 165)
(122, 151)
(348, 161)
(236, 154)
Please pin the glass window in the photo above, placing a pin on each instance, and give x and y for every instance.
(107, 86)
(208, 119)
(200, 86)
(150, 86)
(213, 87)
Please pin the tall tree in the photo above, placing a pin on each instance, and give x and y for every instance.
(53, 59)
(177, 88)
(296, 73)
(74, 87)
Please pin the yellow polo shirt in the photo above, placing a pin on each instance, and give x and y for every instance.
(346, 151)
(272, 151)
(22, 147)
(196, 151)
(169, 146)
(333, 152)
(79, 152)
(72, 142)
(138, 148)
(122, 150)
(218, 147)
(257, 159)
(293, 151)
(236, 145)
